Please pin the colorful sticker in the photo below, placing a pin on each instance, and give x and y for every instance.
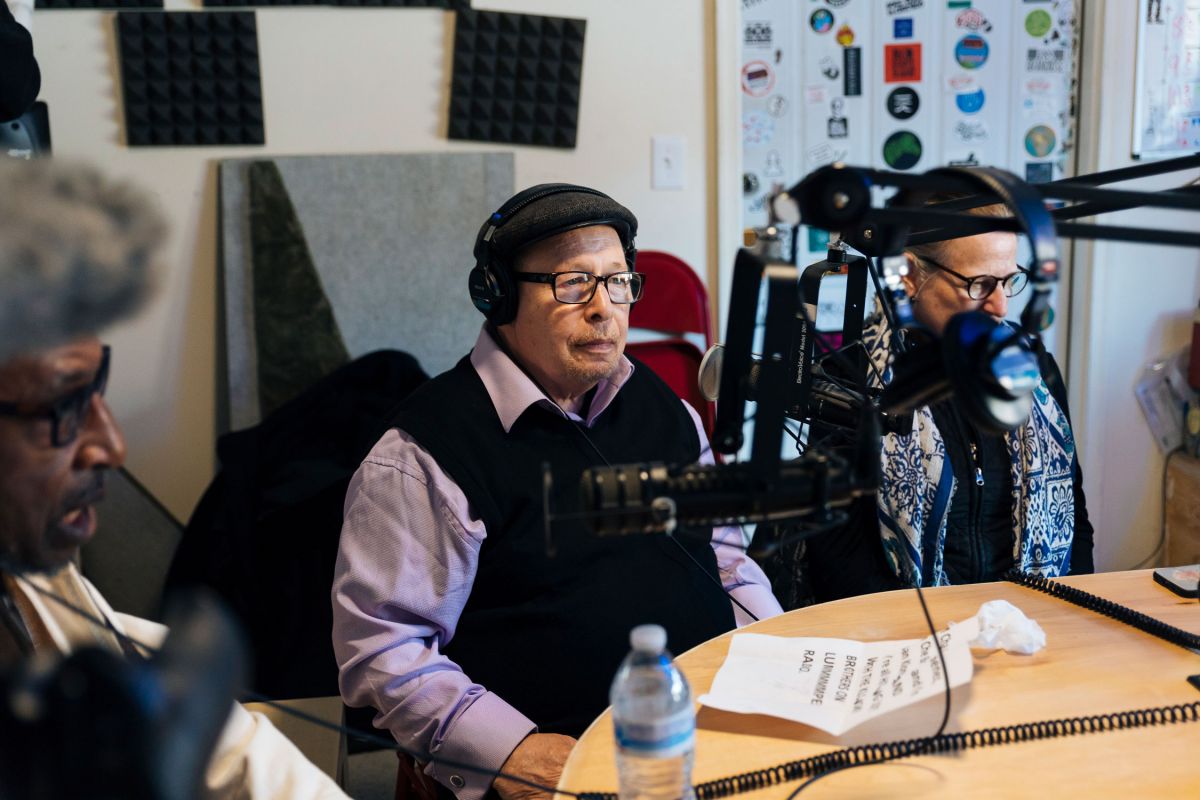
(1038, 86)
(903, 102)
(1037, 23)
(969, 102)
(758, 79)
(973, 20)
(960, 82)
(845, 36)
(1040, 141)
(757, 128)
(852, 66)
(901, 63)
(821, 20)
(902, 150)
(971, 52)
(902, 28)
(817, 239)
(1039, 172)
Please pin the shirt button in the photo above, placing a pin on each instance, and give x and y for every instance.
(457, 781)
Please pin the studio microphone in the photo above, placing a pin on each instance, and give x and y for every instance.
(829, 403)
(988, 366)
(656, 498)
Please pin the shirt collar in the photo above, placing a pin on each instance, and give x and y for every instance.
(512, 392)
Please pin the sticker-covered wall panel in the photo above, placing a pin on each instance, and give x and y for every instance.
(905, 85)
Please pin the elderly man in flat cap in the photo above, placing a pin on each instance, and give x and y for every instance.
(450, 618)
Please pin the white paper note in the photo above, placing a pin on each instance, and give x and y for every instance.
(836, 684)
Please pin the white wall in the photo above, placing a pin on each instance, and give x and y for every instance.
(1130, 303)
(359, 81)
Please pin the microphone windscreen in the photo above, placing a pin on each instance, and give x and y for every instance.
(709, 374)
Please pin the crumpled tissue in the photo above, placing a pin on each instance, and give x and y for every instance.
(1001, 624)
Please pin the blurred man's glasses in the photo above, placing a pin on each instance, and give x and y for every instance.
(69, 413)
(580, 287)
(981, 287)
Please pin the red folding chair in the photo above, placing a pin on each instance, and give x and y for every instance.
(674, 302)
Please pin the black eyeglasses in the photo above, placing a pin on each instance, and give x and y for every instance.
(579, 287)
(981, 286)
(68, 413)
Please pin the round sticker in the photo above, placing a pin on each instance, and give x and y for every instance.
(1037, 23)
(821, 20)
(971, 51)
(845, 36)
(1040, 141)
(902, 150)
(969, 102)
(903, 102)
(758, 79)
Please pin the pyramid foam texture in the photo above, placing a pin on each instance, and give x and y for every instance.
(453, 5)
(52, 5)
(516, 78)
(190, 78)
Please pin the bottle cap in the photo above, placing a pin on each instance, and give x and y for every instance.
(648, 638)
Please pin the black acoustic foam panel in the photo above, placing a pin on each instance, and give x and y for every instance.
(516, 78)
(190, 78)
(50, 5)
(453, 5)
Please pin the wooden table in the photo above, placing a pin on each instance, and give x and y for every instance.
(1091, 664)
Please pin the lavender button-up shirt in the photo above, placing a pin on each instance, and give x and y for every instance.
(407, 559)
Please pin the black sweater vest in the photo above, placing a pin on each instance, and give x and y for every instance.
(548, 633)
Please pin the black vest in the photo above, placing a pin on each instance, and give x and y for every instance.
(547, 634)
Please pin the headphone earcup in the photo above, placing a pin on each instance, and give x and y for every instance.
(493, 292)
(482, 290)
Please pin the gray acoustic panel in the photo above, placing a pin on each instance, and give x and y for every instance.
(391, 239)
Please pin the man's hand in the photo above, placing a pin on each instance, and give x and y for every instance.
(539, 758)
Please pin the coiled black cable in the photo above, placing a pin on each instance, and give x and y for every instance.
(945, 743)
(1143, 622)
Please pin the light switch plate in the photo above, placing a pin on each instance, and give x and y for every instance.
(668, 157)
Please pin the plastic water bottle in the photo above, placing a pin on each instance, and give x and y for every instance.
(654, 721)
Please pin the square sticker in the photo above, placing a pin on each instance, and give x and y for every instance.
(902, 28)
(1039, 172)
(901, 63)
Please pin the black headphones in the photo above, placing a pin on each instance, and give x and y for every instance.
(490, 283)
(991, 368)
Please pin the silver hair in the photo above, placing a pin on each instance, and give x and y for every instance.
(938, 250)
(78, 252)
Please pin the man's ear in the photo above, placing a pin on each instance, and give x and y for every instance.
(912, 280)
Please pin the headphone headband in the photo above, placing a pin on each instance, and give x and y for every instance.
(529, 217)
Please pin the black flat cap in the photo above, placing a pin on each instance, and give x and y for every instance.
(546, 210)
